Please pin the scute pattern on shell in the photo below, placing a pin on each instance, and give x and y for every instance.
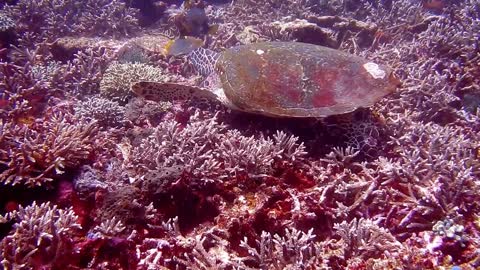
(293, 79)
(169, 91)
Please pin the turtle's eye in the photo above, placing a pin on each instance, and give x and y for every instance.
(394, 80)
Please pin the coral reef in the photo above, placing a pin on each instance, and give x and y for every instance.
(140, 110)
(47, 20)
(6, 23)
(85, 71)
(94, 178)
(207, 150)
(104, 111)
(118, 77)
(33, 154)
(41, 237)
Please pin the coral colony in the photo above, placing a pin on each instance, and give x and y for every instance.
(93, 176)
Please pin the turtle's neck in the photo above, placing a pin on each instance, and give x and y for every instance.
(203, 60)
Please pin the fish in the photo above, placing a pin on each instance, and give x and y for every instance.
(182, 45)
(193, 20)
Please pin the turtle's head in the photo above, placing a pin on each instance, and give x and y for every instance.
(183, 46)
(203, 60)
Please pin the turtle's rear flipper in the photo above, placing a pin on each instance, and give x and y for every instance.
(158, 91)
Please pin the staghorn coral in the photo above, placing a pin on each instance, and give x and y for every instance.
(47, 20)
(199, 257)
(394, 209)
(29, 84)
(248, 14)
(441, 176)
(35, 154)
(204, 251)
(294, 250)
(436, 60)
(363, 239)
(207, 150)
(86, 71)
(118, 77)
(41, 237)
(109, 228)
(34, 79)
(115, 19)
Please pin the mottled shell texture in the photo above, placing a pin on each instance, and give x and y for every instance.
(294, 79)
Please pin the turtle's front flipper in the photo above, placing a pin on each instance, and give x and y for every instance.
(158, 91)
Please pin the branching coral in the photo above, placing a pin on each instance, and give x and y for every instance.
(47, 20)
(109, 228)
(440, 175)
(33, 78)
(436, 60)
(107, 18)
(294, 250)
(35, 154)
(27, 84)
(363, 239)
(86, 71)
(41, 237)
(208, 150)
(428, 169)
(104, 111)
(253, 201)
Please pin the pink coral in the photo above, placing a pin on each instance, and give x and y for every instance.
(41, 237)
(46, 20)
(206, 149)
(37, 153)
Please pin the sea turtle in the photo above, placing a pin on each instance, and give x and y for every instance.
(279, 79)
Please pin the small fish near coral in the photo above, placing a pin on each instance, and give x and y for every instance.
(279, 79)
(193, 21)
